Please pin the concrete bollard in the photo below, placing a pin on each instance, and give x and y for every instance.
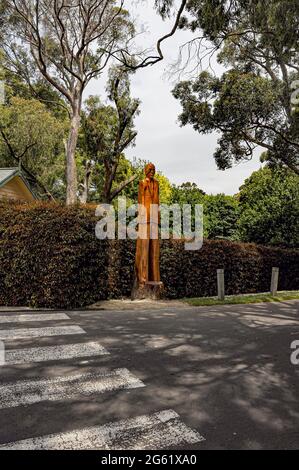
(2, 353)
(220, 284)
(274, 281)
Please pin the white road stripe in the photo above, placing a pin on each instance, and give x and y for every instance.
(39, 332)
(33, 317)
(26, 392)
(51, 353)
(158, 431)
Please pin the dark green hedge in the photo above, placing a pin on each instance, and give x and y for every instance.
(193, 273)
(49, 257)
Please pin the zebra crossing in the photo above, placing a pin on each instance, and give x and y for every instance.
(153, 431)
(63, 388)
(54, 353)
(21, 333)
(158, 430)
(33, 317)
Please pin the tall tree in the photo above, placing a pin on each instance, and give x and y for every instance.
(221, 214)
(71, 42)
(109, 130)
(250, 104)
(269, 207)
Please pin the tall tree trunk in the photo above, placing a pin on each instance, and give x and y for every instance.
(71, 169)
(109, 177)
(84, 196)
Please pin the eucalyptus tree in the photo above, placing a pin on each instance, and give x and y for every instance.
(71, 42)
(251, 104)
(108, 130)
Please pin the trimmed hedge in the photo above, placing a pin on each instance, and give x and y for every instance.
(50, 257)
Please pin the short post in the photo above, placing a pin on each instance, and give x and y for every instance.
(220, 283)
(274, 281)
(2, 353)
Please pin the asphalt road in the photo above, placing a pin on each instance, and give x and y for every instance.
(151, 378)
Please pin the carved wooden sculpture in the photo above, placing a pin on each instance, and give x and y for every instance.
(147, 262)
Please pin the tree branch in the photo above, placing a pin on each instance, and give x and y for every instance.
(122, 186)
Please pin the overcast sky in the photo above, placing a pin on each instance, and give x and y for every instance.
(179, 152)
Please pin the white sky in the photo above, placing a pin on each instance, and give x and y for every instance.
(179, 152)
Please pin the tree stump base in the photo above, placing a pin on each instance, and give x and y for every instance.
(150, 290)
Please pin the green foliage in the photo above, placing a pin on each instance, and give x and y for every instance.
(98, 126)
(220, 211)
(266, 210)
(244, 299)
(34, 123)
(30, 87)
(66, 46)
(165, 188)
(247, 268)
(106, 132)
(250, 104)
(136, 167)
(50, 257)
(244, 107)
(164, 7)
(31, 133)
(269, 208)
(187, 193)
(221, 215)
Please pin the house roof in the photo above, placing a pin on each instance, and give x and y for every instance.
(6, 174)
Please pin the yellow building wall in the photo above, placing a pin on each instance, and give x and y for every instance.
(16, 189)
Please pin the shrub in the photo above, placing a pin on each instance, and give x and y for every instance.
(50, 257)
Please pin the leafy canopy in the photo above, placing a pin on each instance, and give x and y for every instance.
(269, 207)
(250, 104)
